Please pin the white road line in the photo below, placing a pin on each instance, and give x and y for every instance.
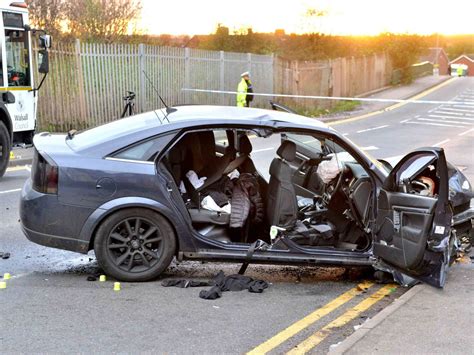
(443, 121)
(441, 143)
(345, 134)
(436, 124)
(466, 132)
(454, 118)
(262, 150)
(408, 119)
(370, 147)
(450, 113)
(457, 109)
(372, 129)
(8, 191)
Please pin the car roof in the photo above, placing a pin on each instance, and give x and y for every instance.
(245, 115)
(120, 133)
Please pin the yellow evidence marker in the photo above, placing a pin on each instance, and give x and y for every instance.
(116, 286)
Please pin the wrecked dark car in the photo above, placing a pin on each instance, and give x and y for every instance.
(242, 185)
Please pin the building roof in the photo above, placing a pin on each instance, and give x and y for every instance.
(469, 57)
(433, 54)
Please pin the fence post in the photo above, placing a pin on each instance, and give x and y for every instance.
(249, 62)
(80, 82)
(222, 77)
(142, 95)
(272, 74)
(187, 76)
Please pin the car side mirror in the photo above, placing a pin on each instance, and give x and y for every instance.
(45, 41)
(43, 61)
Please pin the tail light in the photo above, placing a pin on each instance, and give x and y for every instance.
(44, 174)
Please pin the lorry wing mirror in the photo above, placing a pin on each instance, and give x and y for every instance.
(43, 61)
(45, 41)
(8, 97)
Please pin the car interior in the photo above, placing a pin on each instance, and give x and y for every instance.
(308, 187)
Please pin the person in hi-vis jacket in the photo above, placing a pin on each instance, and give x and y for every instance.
(244, 90)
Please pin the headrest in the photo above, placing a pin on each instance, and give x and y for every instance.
(287, 151)
(245, 147)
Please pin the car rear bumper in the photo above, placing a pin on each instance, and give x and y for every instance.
(55, 241)
(45, 221)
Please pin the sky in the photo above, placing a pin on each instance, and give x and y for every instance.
(344, 17)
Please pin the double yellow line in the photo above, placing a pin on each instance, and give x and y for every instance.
(395, 106)
(310, 319)
(17, 168)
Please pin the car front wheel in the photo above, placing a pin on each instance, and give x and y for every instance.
(135, 245)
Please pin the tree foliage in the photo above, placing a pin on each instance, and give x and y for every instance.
(90, 20)
(101, 19)
(47, 14)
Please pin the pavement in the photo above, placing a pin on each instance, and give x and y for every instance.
(424, 320)
(49, 306)
(397, 92)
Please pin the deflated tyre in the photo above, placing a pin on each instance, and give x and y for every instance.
(135, 245)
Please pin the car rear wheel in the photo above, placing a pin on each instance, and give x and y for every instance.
(5, 146)
(135, 245)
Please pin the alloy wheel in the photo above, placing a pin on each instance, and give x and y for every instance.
(135, 244)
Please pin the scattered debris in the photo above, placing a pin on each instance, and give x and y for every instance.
(220, 283)
(94, 277)
(4, 255)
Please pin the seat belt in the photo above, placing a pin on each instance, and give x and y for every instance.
(257, 245)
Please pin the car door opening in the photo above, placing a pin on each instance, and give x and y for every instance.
(237, 184)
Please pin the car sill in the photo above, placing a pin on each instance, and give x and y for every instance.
(265, 257)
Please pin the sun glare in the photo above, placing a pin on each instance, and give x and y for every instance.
(344, 17)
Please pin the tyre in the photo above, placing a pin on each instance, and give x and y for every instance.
(135, 245)
(5, 146)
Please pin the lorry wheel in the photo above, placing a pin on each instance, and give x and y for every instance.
(5, 146)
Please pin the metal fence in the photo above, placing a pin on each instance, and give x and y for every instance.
(87, 81)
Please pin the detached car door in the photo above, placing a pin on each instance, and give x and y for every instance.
(413, 224)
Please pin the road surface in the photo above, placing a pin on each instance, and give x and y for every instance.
(49, 306)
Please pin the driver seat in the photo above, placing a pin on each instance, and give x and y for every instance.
(282, 205)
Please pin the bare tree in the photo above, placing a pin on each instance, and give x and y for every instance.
(102, 19)
(47, 14)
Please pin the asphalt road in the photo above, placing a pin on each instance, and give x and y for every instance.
(49, 306)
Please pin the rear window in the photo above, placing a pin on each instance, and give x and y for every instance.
(145, 151)
(113, 130)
